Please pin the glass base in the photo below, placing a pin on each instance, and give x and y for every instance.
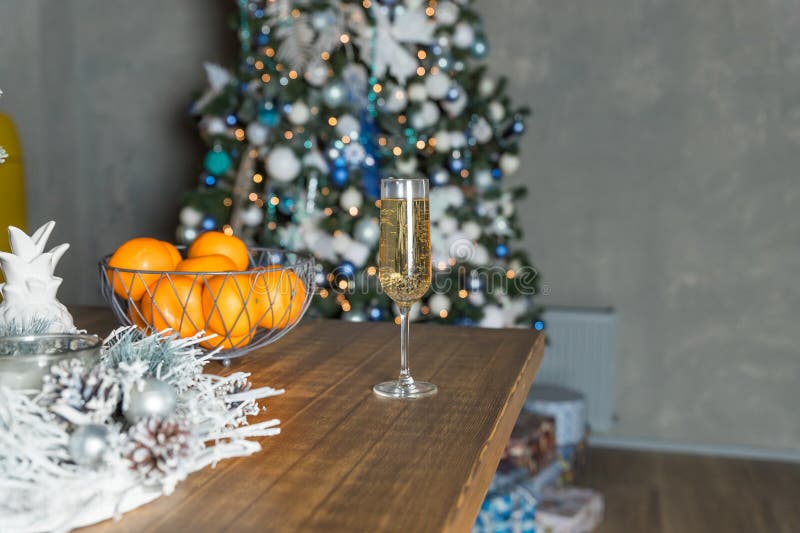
(398, 389)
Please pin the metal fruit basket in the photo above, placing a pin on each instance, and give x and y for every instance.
(246, 309)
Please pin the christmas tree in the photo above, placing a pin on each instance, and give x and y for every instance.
(329, 97)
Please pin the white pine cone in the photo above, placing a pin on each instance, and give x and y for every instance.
(92, 391)
(159, 449)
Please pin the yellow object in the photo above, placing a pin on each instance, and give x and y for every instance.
(12, 183)
(12, 186)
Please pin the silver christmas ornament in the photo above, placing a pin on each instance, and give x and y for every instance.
(355, 315)
(190, 217)
(317, 73)
(184, 234)
(153, 397)
(88, 444)
(334, 94)
(367, 230)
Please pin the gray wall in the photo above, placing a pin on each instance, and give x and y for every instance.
(662, 157)
(100, 91)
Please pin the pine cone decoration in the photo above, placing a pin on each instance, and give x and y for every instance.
(91, 391)
(242, 408)
(160, 448)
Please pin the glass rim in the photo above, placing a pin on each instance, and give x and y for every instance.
(404, 179)
(92, 342)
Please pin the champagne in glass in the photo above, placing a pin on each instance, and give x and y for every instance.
(404, 268)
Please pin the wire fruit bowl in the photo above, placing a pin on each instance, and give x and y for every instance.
(246, 309)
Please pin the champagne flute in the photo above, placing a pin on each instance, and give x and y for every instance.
(405, 268)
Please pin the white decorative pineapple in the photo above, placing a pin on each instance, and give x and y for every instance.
(29, 292)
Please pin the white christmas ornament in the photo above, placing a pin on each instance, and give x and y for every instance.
(214, 126)
(476, 298)
(406, 166)
(190, 217)
(492, 317)
(437, 85)
(455, 107)
(396, 99)
(29, 293)
(299, 114)
(317, 73)
(464, 35)
(486, 86)
(446, 13)
(496, 111)
(252, 216)
(448, 225)
(352, 197)
(282, 164)
(367, 230)
(417, 92)
(481, 256)
(481, 130)
(427, 116)
(471, 229)
(442, 140)
(509, 163)
(483, 178)
(256, 134)
(439, 303)
(457, 139)
(348, 125)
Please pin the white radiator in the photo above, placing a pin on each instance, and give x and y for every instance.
(580, 355)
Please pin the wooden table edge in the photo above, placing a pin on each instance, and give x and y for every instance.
(462, 517)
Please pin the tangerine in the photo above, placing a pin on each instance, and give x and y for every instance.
(230, 305)
(174, 302)
(141, 253)
(227, 342)
(216, 242)
(207, 263)
(135, 316)
(283, 296)
(174, 253)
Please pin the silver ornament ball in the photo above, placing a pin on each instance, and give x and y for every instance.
(334, 94)
(153, 397)
(88, 444)
(367, 230)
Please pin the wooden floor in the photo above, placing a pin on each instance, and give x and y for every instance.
(669, 493)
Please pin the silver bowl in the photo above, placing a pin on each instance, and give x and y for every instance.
(24, 360)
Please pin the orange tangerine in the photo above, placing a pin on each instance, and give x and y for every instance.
(135, 315)
(230, 305)
(207, 263)
(226, 343)
(142, 253)
(174, 302)
(283, 296)
(174, 252)
(216, 242)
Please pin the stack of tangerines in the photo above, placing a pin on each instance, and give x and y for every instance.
(214, 289)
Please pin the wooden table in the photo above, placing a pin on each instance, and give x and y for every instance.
(347, 460)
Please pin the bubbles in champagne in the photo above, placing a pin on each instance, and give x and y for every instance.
(405, 249)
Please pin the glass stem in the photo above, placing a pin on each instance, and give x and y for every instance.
(405, 373)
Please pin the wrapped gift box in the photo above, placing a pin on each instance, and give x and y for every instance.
(532, 445)
(569, 510)
(567, 406)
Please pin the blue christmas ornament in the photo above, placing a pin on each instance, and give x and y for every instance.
(479, 48)
(268, 117)
(501, 250)
(456, 165)
(538, 325)
(340, 177)
(464, 321)
(262, 39)
(346, 269)
(259, 13)
(210, 180)
(497, 174)
(518, 126)
(439, 177)
(242, 88)
(286, 205)
(208, 223)
(217, 162)
(452, 94)
(375, 313)
(230, 120)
